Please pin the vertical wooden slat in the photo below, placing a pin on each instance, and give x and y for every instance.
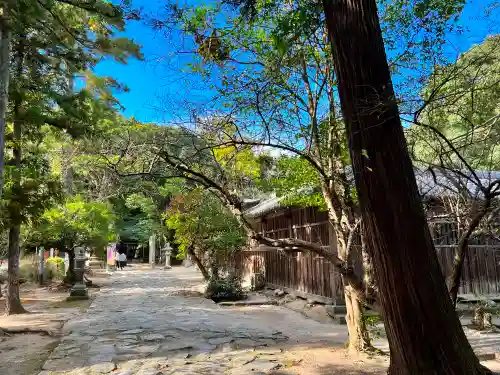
(306, 274)
(490, 270)
(470, 270)
(278, 274)
(333, 282)
(302, 272)
(485, 274)
(323, 277)
(313, 280)
(272, 268)
(495, 267)
(284, 260)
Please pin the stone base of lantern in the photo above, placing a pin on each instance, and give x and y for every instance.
(78, 292)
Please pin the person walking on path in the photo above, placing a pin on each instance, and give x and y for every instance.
(123, 260)
(117, 260)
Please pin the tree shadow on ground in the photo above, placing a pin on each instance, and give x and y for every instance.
(146, 315)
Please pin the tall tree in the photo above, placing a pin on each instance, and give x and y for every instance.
(5, 37)
(50, 42)
(405, 264)
(75, 223)
(204, 229)
(286, 102)
(455, 135)
(274, 79)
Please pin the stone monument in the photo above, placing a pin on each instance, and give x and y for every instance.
(66, 262)
(168, 253)
(41, 264)
(152, 250)
(79, 290)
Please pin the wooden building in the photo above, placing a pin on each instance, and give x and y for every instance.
(310, 276)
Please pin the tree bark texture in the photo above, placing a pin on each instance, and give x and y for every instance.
(5, 41)
(199, 263)
(463, 248)
(13, 300)
(423, 330)
(359, 338)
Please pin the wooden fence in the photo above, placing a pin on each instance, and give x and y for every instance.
(312, 276)
(302, 273)
(481, 272)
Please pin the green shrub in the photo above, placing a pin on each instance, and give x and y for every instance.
(54, 268)
(227, 288)
(55, 260)
(29, 272)
(372, 323)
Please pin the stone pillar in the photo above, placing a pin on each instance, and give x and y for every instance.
(41, 257)
(51, 252)
(66, 262)
(79, 290)
(168, 254)
(152, 250)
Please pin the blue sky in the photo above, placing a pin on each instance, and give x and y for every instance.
(158, 86)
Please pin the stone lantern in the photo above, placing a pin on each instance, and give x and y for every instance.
(168, 254)
(79, 290)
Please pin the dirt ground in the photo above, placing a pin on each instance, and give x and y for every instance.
(331, 361)
(37, 333)
(336, 361)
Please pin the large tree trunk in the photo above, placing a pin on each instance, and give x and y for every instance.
(13, 301)
(424, 333)
(199, 263)
(5, 39)
(359, 338)
(13, 305)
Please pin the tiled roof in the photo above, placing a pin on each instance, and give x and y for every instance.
(435, 183)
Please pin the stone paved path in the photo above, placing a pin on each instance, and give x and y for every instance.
(152, 323)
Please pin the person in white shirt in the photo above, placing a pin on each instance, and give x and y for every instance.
(117, 260)
(123, 260)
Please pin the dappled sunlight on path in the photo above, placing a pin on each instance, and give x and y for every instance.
(141, 324)
(155, 322)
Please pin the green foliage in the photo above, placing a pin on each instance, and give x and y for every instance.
(76, 223)
(29, 270)
(298, 181)
(54, 42)
(462, 101)
(199, 218)
(54, 268)
(373, 324)
(37, 190)
(58, 261)
(139, 216)
(225, 289)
